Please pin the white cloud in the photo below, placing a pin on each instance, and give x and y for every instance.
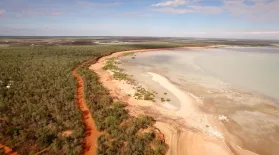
(95, 4)
(245, 34)
(260, 34)
(261, 10)
(174, 10)
(191, 9)
(256, 10)
(134, 14)
(171, 3)
(206, 9)
(2, 11)
(189, 6)
(41, 12)
(264, 32)
(127, 14)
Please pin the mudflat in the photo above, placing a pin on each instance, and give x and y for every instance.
(188, 128)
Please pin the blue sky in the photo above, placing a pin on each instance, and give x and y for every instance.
(256, 19)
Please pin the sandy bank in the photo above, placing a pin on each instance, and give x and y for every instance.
(188, 131)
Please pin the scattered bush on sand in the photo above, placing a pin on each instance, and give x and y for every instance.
(122, 132)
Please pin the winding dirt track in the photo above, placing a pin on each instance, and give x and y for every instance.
(7, 150)
(91, 132)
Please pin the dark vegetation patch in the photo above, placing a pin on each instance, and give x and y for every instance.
(143, 94)
(39, 103)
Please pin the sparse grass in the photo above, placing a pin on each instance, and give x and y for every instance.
(148, 96)
(120, 76)
(128, 53)
(118, 73)
(110, 65)
(143, 94)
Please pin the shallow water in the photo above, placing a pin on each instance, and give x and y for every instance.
(250, 69)
(240, 83)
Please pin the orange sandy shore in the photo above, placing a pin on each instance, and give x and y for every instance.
(181, 139)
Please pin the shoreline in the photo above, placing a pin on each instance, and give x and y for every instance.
(184, 133)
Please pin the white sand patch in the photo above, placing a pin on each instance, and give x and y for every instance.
(180, 95)
(188, 111)
(223, 118)
(170, 106)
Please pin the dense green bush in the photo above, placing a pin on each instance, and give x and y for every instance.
(37, 98)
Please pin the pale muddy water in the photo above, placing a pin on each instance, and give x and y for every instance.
(240, 83)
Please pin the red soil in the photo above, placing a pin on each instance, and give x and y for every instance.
(91, 132)
(7, 150)
(44, 150)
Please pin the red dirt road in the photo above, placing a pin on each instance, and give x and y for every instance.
(7, 150)
(91, 132)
